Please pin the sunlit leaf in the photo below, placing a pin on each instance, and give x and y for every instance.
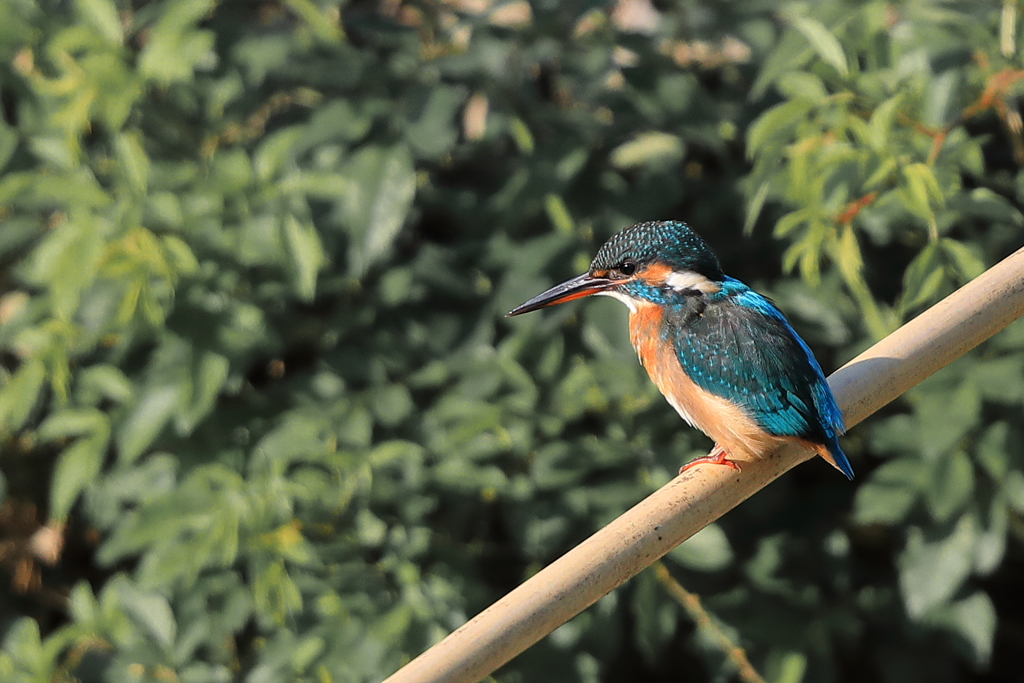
(306, 254)
(19, 395)
(951, 487)
(102, 14)
(823, 42)
(974, 620)
(376, 208)
(933, 569)
(648, 148)
(890, 492)
(707, 550)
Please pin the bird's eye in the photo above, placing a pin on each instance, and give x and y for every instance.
(627, 268)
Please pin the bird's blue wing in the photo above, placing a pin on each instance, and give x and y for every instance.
(740, 347)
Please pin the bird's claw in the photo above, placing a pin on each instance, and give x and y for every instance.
(716, 457)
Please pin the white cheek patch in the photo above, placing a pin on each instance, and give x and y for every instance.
(681, 280)
(629, 301)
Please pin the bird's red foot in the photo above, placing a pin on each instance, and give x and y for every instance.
(716, 457)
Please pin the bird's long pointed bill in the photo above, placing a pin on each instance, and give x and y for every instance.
(576, 288)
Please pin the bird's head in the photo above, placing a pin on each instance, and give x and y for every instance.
(649, 262)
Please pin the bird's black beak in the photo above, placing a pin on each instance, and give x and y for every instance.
(576, 288)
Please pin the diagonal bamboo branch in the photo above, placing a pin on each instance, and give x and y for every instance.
(701, 495)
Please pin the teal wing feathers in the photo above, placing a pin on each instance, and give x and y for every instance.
(740, 347)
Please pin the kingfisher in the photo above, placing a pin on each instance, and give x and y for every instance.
(723, 355)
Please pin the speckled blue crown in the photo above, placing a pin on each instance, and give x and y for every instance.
(669, 242)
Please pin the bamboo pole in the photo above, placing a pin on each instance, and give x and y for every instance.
(701, 495)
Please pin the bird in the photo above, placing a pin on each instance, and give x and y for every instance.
(724, 356)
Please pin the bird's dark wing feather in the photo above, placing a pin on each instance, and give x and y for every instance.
(740, 347)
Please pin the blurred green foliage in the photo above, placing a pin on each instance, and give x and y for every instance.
(262, 418)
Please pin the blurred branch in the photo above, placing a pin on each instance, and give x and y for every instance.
(691, 603)
(853, 208)
(256, 125)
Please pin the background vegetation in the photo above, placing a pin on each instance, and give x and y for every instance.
(262, 418)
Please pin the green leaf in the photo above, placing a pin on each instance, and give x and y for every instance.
(774, 128)
(847, 256)
(577, 392)
(174, 47)
(179, 255)
(1013, 489)
(392, 404)
(276, 596)
(66, 263)
(274, 153)
(708, 550)
(882, 175)
(306, 255)
(376, 206)
(823, 42)
(370, 529)
(988, 206)
(77, 468)
(754, 207)
(147, 419)
(790, 222)
(209, 373)
(82, 604)
(790, 53)
(922, 189)
(8, 145)
(790, 668)
(990, 549)
(70, 422)
(991, 451)
(98, 382)
(306, 652)
(974, 619)
(964, 259)
(356, 428)
(944, 418)
(432, 129)
(655, 616)
(952, 484)
(23, 644)
(922, 278)
(880, 126)
(889, 494)
(522, 136)
(231, 171)
(150, 611)
(1000, 379)
(133, 160)
(648, 148)
(557, 212)
(19, 396)
(343, 119)
(931, 570)
(395, 452)
(310, 13)
(802, 85)
(102, 15)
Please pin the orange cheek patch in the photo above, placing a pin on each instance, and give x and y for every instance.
(656, 273)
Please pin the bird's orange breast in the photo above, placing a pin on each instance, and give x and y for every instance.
(725, 422)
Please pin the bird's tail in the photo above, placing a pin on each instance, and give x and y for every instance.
(834, 455)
